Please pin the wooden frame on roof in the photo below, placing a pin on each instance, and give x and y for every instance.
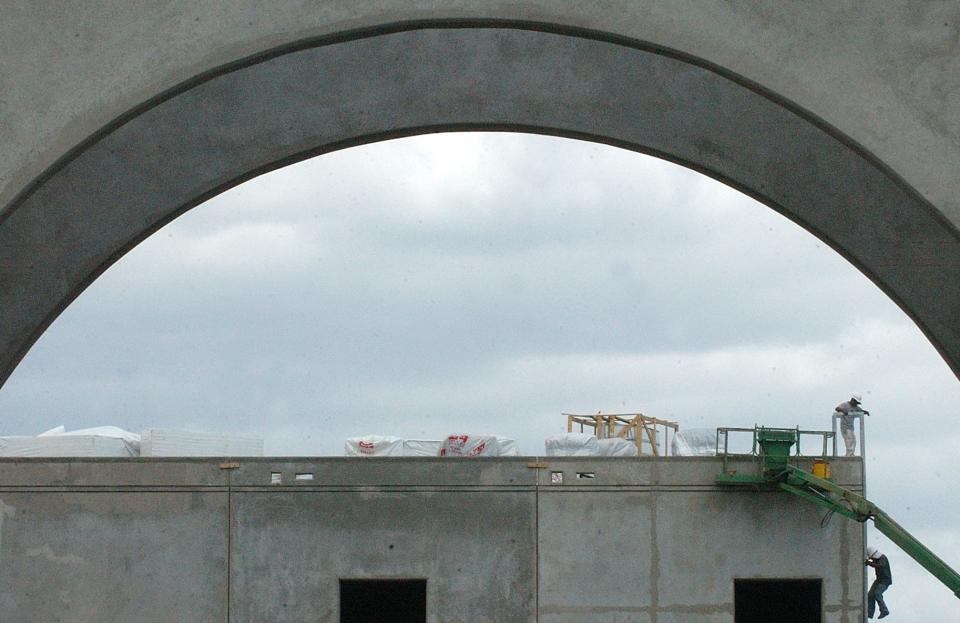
(644, 431)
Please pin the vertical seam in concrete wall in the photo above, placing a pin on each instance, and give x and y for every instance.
(536, 545)
(863, 573)
(654, 548)
(844, 576)
(863, 525)
(229, 538)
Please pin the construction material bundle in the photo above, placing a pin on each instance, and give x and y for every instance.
(163, 442)
(110, 441)
(459, 445)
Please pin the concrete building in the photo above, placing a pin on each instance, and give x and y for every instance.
(558, 540)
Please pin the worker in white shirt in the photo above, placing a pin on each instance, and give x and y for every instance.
(848, 412)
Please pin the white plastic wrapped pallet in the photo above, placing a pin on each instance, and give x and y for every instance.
(373, 445)
(66, 446)
(421, 447)
(617, 446)
(165, 442)
(694, 442)
(102, 441)
(572, 444)
(470, 446)
(507, 447)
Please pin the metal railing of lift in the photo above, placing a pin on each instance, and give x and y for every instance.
(797, 451)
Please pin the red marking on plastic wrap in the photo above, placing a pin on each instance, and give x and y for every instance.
(476, 451)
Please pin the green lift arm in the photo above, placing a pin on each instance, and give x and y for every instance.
(776, 470)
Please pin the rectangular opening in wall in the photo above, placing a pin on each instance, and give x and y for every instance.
(784, 601)
(383, 601)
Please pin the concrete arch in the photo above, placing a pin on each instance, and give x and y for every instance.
(323, 94)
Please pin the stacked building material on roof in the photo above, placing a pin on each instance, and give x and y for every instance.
(421, 447)
(166, 442)
(617, 446)
(374, 445)
(102, 441)
(470, 446)
(66, 446)
(458, 445)
(572, 444)
(695, 442)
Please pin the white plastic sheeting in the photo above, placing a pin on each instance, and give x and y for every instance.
(421, 447)
(572, 444)
(102, 441)
(507, 447)
(373, 445)
(111, 441)
(166, 442)
(454, 445)
(617, 446)
(66, 446)
(470, 446)
(114, 432)
(694, 442)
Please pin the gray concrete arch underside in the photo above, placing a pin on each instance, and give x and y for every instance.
(327, 93)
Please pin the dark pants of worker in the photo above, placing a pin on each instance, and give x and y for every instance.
(875, 597)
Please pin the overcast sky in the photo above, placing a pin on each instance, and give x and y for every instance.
(485, 283)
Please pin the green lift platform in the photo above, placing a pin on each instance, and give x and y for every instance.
(776, 469)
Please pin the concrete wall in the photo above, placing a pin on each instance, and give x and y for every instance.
(117, 117)
(642, 541)
(887, 74)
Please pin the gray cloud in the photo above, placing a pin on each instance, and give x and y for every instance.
(486, 283)
(430, 261)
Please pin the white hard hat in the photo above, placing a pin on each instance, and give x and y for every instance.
(857, 397)
(872, 552)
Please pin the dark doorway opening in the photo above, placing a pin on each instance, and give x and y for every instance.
(383, 601)
(783, 601)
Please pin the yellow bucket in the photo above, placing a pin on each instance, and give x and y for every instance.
(821, 469)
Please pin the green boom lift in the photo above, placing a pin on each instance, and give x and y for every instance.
(775, 469)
